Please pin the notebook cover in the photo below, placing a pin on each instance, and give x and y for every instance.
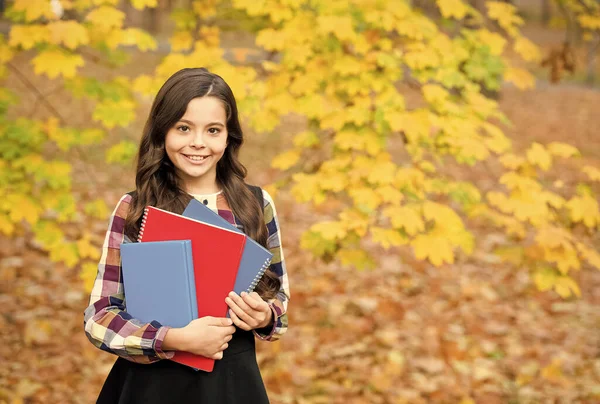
(158, 280)
(216, 254)
(255, 258)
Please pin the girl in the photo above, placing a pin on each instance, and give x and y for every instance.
(189, 149)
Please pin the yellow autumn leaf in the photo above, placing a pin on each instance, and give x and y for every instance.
(512, 161)
(563, 150)
(590, 255)
(538, 155)
(286, 160)
(545, 278)
(88, 273)
(452, 8)
(436, 249)
(69, 33)
(527, 49)
(389, 193)
(382, 173)
(584, 209)
(137, 37)
(330, 230)
(21, 207)
(520, 78)
(86, 249)
(54, 63)
(358, 258)
(387, 237)
(35, 9)
(106, 18)
(592, 172)
(493, 40)
(65, 253)
(566, 286)
(141, 4)
(6, 225)
(306, 188)
(364, 197)
(27, 36)
(181, 41)
(404, 217)
(505, 14)
(306, 139)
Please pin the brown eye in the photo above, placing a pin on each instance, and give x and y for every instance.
(183, 128)
(214, 131)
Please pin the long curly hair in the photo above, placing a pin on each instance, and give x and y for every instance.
(157, 183)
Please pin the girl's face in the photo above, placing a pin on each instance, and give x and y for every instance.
(197, 142)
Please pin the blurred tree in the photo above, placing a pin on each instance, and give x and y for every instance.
(365, 74)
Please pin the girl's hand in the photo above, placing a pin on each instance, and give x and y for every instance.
(249, 311)
(207, 336)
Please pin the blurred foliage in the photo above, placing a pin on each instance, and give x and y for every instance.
(364, 74)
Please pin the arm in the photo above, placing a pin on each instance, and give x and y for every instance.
(107, 325)
(280, 302)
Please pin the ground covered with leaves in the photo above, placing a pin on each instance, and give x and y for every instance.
(406, 332)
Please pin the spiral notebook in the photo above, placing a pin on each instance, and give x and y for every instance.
(158, 280)
(255, 258)
(216, 254)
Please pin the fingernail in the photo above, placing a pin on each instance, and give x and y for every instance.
(243, 294)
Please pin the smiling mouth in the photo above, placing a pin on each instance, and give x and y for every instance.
(196, 158)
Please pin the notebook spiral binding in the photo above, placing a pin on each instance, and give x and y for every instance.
(258, 276)
(141, 232)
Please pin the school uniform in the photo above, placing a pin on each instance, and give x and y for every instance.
(143, 373)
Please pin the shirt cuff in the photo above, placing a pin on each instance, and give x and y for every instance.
(158, 341)
(266, 333)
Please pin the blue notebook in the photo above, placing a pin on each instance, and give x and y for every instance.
(158, 280)
(255, 258)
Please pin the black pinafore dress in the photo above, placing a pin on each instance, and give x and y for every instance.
(235, 379)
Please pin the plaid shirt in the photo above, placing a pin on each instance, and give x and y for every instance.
(108, 325)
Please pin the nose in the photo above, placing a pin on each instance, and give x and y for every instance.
(197, 140)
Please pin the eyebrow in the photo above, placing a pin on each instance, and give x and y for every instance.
(210, 124)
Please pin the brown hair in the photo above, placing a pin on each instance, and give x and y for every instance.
(157, 183)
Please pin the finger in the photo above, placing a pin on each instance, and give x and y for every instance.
(246, 315)
(218, 355)
(228, 331)
(239, 323)
(218, 321)
(224, 347)
(237, 299)
(252, 301)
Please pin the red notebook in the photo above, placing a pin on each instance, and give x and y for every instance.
(216, 254)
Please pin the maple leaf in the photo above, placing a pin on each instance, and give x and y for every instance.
(286, 160)
(106, 18)
(34, 9)
(27, 36)
(527, 49)
(520, 77)
(592, 172)
(181, 41)
(452, 8)
(54, 63)
(71, 34)
(114, 113)
(141, 4)
(538, 155)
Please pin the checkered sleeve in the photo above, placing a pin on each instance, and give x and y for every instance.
(107, 324)
(280, 302)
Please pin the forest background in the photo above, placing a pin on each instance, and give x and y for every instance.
(439, 160)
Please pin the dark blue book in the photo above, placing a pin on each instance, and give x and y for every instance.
(255, 258)
(158, 280)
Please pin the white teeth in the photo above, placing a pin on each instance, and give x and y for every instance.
(196, 158)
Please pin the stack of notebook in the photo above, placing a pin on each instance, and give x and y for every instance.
(184, 266)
